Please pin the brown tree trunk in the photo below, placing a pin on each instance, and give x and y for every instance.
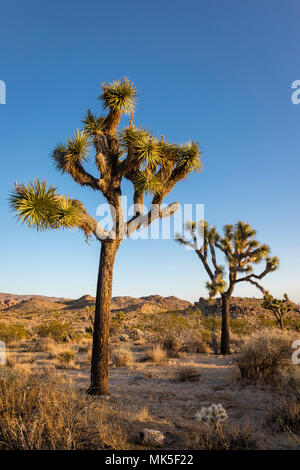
(281, 322)
(225, 341)
(99, 366)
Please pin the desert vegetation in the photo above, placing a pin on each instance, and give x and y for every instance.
(152, 165)
(241, 250)
(182, 376)
(164, 375)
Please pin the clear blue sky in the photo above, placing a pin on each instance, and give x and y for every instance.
(217, 71)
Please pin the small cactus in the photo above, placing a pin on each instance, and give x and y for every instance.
(212, 415)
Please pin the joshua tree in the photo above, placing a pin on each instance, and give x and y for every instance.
(277, 306)
(151, 164)
(241, 251)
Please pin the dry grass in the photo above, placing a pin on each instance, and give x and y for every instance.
(225, 438)
(285, 416)
(264, 356)
(155, 354)
(38, 412)
(46, 344)
(66, 358)
(142, 415)
(186, 373)
(122, 357)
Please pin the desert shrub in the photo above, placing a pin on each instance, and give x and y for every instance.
(295, 324)
(122, 357)
(155, 354)
(44, 344)
(112, 433)
(196, 346)
(186, 373)
(267, 322)
(285, 416)
(54, 329)
(117, 319)
(172, 344)
(225, 437)
(66, 357)
(263, 357)
(240, 327)
(211, 323)
(12, 332)
(37, 412)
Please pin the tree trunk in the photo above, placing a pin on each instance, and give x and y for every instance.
(281, 322)
(99, 366)
(225, 341)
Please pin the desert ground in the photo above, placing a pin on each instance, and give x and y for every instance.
(164, 368)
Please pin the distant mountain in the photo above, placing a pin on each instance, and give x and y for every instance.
(241, 307)
(36, 303)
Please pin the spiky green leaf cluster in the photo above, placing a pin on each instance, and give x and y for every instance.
(93, 125)
(279, 306)
(129, 137)
(67, 213)
(119, 96)
(75, 151)
(41, 208)
(189, 157)
(34, 203)
(79, 146)
(148, 151)
(218, 285)
(145, 181)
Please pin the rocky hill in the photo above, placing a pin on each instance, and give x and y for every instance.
(241, 307)
(38, 304)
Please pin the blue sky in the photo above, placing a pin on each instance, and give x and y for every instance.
(217, 71)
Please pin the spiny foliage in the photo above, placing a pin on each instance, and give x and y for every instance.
(42, 208)
(241, 250)
(119, 96)
(278, 306)
(92, 124)
(34, 203)
(151, 164)
(76, 151)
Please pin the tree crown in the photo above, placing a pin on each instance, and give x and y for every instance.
(151, 164)
(240, 248)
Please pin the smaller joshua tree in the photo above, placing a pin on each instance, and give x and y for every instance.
(277, 306)
(241, 250)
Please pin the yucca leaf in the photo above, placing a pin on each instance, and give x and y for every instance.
(67, 213)
(93, 125)
(145, 181)
(119, 96)
(34, 204)
(78, 146)
(148, 151)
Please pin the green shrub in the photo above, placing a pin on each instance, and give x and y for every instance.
(264, 356)
(240, 327)
(55, 329)
(66, 357)
(12, 332)
(211, 323)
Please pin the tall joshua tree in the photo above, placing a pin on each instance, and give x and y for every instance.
(241, 250)
(151, 164)
(279, 307)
